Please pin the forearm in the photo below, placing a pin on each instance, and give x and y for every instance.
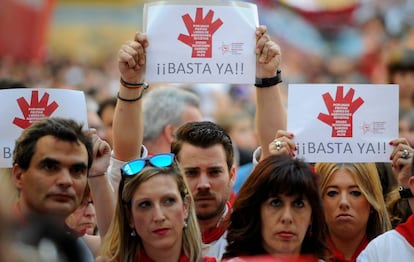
(128, 125)
(270, 115)
(104, 200)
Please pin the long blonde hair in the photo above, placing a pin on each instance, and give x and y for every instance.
(367, 178)
(118, 245)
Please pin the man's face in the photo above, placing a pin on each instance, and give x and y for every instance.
(209, 178)
(55, 180)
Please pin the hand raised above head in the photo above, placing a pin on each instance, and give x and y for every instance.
(268, 54)
(132, 59)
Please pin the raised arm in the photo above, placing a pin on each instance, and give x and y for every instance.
(402, 165)
(270, 109)
(128, 125)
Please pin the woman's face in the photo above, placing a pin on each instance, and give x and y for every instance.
(158, 213)
(83, 219)
(285, 221)
(346, 208)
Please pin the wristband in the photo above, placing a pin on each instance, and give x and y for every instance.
(92, 176)
(268, 82)
(405, 192)
(132, 85)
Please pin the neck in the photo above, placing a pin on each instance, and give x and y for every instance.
(206, 224)
(157, 146)
(347, 245)
(165, 254)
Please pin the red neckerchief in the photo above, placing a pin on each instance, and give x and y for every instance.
(339, 256)
(407, 230)
(145, 258)
(215, 233)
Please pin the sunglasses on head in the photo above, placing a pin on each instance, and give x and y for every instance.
(135, 166)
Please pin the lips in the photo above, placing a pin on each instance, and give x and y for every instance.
(285, 235)
(161, 231)
(344, 216)
(61, 197)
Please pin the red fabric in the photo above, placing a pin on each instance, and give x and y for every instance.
(215, 233)
(23, 28)
(407, 230)
(183, 258)
(339, 256)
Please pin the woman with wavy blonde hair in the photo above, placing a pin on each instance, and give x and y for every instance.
(355, 210)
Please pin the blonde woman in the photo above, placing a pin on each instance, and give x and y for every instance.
(355, 210)
(155, 217)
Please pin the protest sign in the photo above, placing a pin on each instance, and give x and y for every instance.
(23, 106)
(201, 42)
(343, 122)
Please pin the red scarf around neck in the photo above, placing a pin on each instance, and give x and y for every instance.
(183, 258)
(407, 230)
(339, 256)
(215, 233)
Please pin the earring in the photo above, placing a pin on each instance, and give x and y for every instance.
(185, 224)
(133, 233)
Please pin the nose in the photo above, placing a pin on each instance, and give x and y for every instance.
(64, 179)
(90, 210)
(203, 182)
(344, 201)
(158, 214)
(287, 215)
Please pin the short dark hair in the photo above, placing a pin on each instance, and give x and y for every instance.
(61, 128)
(203, 134)
(274, 175)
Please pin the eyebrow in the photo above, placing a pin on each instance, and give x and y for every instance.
(53, 161)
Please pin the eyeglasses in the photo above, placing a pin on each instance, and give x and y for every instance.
(135, 166)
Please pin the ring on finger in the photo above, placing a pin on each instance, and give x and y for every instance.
(278, 145)
(405, 154)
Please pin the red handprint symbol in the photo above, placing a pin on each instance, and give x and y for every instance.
(200, 33)
(37, 109)
(341, 111)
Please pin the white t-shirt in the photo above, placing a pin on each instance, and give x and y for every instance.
(390, 246)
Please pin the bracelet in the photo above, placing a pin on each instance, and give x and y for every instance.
(133, 99)
(268, 82)
(102, 174)
(132, 85)
(405, 192)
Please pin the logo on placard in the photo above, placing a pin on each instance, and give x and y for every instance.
(36, 110)
(200, 33)
(340, 111)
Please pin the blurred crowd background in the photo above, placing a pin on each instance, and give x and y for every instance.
(73, 44)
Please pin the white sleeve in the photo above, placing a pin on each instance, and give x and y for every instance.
(114, 169)
(256, 155)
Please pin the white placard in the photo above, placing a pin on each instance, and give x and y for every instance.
(22, 106)
(201, 41)
(343, 122)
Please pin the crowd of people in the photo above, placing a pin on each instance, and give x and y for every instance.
(153, 178)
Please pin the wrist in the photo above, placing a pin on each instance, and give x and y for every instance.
(132, 85)
(268, 82)
(96, 175)
(405, 192)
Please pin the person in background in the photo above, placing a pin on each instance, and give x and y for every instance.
(399, 242)
(106, 109)
(165, 109)
(155, 216)
(83, 220)
(278, 212)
